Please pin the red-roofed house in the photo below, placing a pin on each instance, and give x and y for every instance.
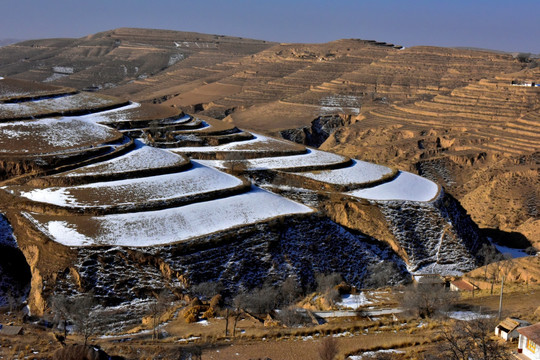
(529, 341)
(462, 285)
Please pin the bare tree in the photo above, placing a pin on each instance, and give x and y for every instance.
(81, 314)
(489, 255)
(156, 307)
(291, 316)
(290, 291)
(326, 284)
(258, 301)
(427, 300)
(328, 349)
(61, 307)
(470, 340)
(235, 162)
(206, 290)
(380, 274)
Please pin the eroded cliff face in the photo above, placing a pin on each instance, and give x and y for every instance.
(432, 237)
(41, 259)
(241, 259)
(437, 236)
(319, 131)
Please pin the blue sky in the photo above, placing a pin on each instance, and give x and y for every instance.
(494, 24)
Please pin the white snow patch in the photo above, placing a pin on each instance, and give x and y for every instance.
(374, 353)
(63, 69)
(175, 58)
(191, 338)
(56, 104)
(160, 227)
(54, 77)
(405, 186)
(197, 180)
(67, 231)
(60, 134)
(140, 158)
(311, 158)
(466, 315)
(351, 301)
(111, 115)
(258, 143)
(359, 172)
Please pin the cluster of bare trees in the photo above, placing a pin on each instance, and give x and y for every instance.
(157, 306)
(496, 265)
(78, 311)
(327, 285)
(469, 340)
(427, 300)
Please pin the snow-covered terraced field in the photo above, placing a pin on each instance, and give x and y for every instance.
(122, 113)
(142, 158)
(312, 159)
(129, 193)
(405, 186)
(167, 226)
(52, 135)
(55, 105)
(257, 143)
(360, 172)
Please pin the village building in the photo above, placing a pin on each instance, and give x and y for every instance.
(462, 285)
(507, 329)
(529, 342)
(10, 330)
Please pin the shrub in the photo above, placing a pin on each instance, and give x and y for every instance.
(328, 349)
(209, 314)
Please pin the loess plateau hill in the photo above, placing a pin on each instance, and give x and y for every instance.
(133, 160)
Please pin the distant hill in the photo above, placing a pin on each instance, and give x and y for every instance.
(4, 42)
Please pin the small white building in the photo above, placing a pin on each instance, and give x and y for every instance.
(529, 341)
(507, 329)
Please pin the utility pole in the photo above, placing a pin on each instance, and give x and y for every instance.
(501, 298)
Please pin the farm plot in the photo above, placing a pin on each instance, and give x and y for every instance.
(212, 127)
(311, 160)
(405, 186)
(258, 143)
(52, 135)
(359, 173)
(13, 89)
(166, 226)
(135, 193)
(123, 113)
(56, 105)
(141, 159)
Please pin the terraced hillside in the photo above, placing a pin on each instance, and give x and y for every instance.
(479, 141)
(451, 115)
(133, 198)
